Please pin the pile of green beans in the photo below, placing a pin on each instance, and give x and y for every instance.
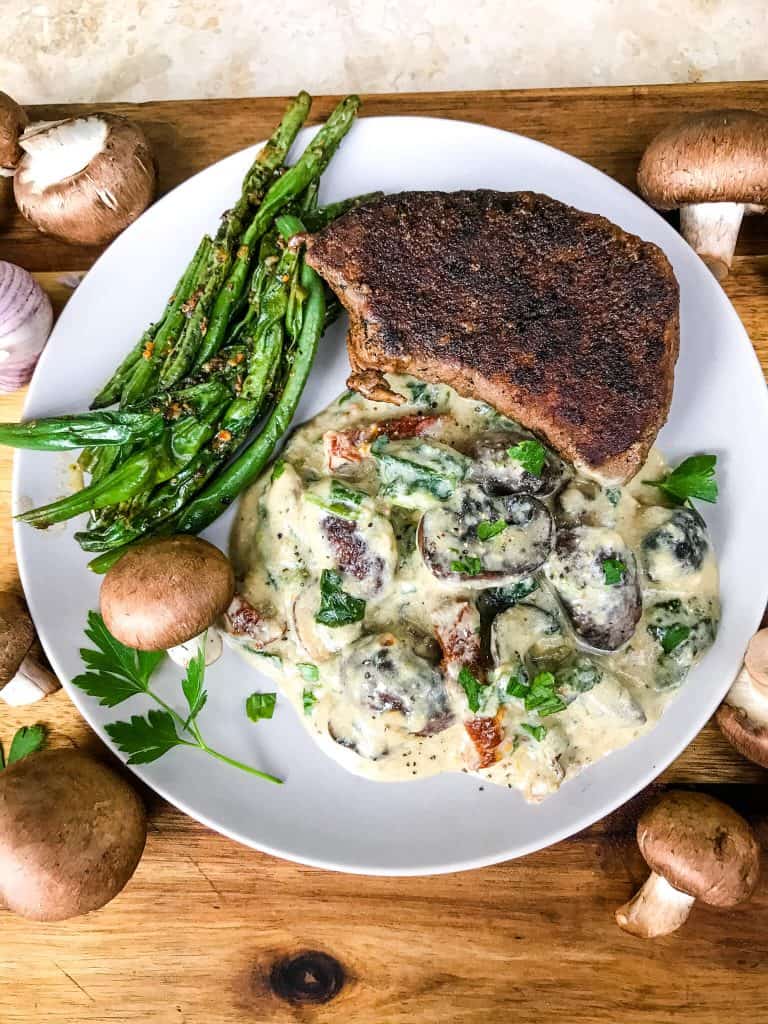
(208, 390)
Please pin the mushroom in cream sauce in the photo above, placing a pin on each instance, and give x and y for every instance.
(430, 602)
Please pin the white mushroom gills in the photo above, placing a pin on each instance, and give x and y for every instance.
(209, 641)
(746, 695)
(655, 909)
(711, 229)
(60, 149)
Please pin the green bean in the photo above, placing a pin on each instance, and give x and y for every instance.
(62, 433)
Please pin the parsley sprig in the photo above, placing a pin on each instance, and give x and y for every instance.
(693, 478)
(491, 528)
(116, 672)
(469, 565)
(27, 740)
(613, 571)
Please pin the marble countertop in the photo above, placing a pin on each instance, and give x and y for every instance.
(60, 51)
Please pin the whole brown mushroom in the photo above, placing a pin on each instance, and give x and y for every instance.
(697, 848)
(71, 835)
(13, 121)
(743, 716)
(84, 179)
(713, 166)
(24, 676)
(165, 593)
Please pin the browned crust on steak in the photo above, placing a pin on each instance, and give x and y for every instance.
(556, 317)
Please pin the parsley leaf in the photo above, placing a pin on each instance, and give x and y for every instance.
(28, 740)
(145, 738)
(337, 607)
(537, 731)
(115, 672)
(541, 696)
(308, 700)
(277, 469)
(470, 565)
(530, 454)
(192, 684)
(309, 673)
(613, 571)
(693, 478)
(672, 636)
(517, 685)
(471, 686)
(260, 705)
(488, 529)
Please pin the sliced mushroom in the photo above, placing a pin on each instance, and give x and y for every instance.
(13, 121)
(317, 641)
(521, 628)
(595, 576)
(697, 848)
(682, 630)
(676, 547)
(586, 503)
(519, 538)
(498, 473)
(364, 552)
(24, 675)
(388, 694)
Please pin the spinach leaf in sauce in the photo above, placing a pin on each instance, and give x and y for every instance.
(411, 467)
(337, 607)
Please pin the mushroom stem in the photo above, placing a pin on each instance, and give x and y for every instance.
(711, 229)
(655, 909)
(209, 641)
(31, 683)
(750, 696)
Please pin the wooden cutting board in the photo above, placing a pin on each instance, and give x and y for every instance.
(210, 932)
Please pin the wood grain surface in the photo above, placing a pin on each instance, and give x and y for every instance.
(210, 932)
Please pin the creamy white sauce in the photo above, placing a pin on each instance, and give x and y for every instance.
(370, 691)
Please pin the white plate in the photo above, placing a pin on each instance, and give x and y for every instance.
(323, 815)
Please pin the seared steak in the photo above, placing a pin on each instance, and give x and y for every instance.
(558, 318)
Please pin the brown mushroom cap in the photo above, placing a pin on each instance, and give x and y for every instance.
(71, 835)
(718, 156)
(13, 121)
(746, 736)
(700, 846)
(17, 634)
(166, 591)
(95, 204)
(756, 660)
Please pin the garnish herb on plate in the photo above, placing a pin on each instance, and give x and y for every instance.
(470, 565)
(672, 636)
(539, 695)
(613, 571)
(260, 705)
(337, 607)
(116, 672)
(693, 478)
(487, 529)
(530, 454)
(308, 700)
(471, 686)
(27, 740)
(537, 731)
(309, 673)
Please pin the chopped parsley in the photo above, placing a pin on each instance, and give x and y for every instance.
(470, 565)
(471, 686)
(613, 571)
(671, 637)
(309, 673)
(488, 529)
(308, 700)
(530, 454)
(517, 685)
(537, 731)
(337, 607)
(541, 696)
(260, 705)
(693, 478)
